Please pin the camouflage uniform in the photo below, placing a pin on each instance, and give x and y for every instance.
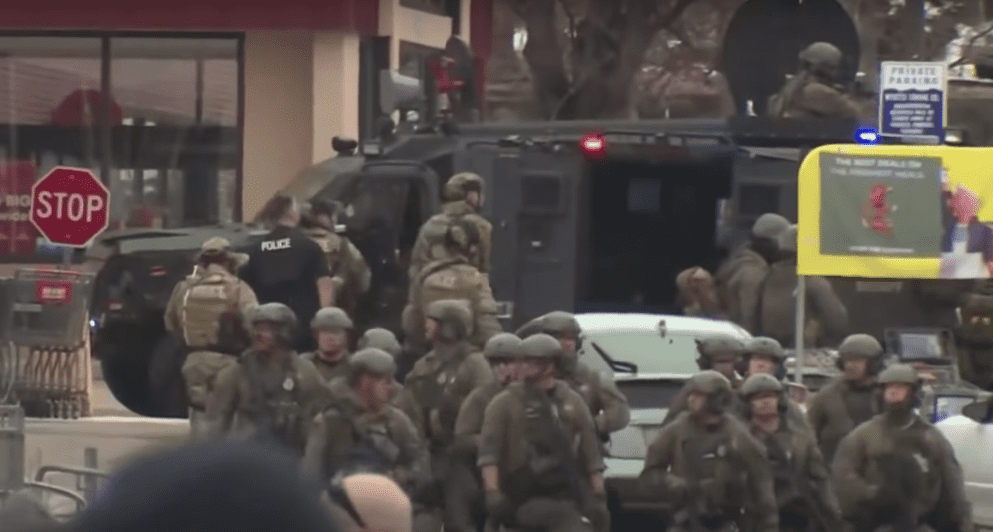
(813, 92)
(801, 477)
(384, 339)
(899, 470)
(842, 405)
(330, 365)
(544, 447)
(453, 278)
(349, 270)
(770, 348)
(464, 495)
(430, 244)
(974, 337)
(194, 312)
(400, 451)
(739, 279)
(711, 350)
(716, 477)
(826, 317)
(268, 396)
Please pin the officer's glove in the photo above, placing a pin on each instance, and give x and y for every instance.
(497, 505)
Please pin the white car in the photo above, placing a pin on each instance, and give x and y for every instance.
(972, 440)
(663, 351)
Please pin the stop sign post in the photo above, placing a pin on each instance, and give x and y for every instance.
(70, 206)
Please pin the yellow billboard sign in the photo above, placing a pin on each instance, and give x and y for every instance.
(923, 212)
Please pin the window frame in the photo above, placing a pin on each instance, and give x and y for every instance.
(103, 129)
(434, 7)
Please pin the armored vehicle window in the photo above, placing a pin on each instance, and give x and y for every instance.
(755, 200)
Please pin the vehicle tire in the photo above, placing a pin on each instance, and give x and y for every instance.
(124, 352)
(167, 389)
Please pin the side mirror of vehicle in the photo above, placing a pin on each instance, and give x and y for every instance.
(979, 411)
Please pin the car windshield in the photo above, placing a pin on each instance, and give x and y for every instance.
(676, 353)
(643, 394)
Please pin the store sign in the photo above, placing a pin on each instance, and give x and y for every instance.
(17, 234)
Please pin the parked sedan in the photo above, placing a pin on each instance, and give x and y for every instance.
(971, 436)
(650, 357)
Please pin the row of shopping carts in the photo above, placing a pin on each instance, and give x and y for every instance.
(44, 342)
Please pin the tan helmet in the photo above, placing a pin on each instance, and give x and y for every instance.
(459, 185)
(788, 239)
(770, 225)
(765, 346)
(541, 346)
(218, 246)
(503, 346)
(330, 318)
(899, 373)
(709, 382)
(454, 318)
(760, 383)
(380, 338)
(372, 361)
(860, 346)
(278, 314)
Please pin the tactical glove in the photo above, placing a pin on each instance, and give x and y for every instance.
(497, 505)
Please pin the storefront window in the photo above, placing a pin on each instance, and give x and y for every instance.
(156, 118)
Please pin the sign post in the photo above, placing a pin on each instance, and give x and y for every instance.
(913, 99)
(70, 207)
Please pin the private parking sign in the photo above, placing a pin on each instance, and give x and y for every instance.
(912, 96)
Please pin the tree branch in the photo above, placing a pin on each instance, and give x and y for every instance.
(968, 47)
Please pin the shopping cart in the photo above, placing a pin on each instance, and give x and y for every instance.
(44, 324)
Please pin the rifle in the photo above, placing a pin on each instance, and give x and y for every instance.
(778, 455)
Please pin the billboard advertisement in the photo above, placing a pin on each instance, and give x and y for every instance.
(923, 212)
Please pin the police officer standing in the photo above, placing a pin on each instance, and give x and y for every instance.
(974, 336)
(379, 338)
(330, 327)
(814, 91)
(709, 467)
(463, 195)
(208, 310)
(739, 279)
(849, 400)
(801, 478)
(362, 427)
(539, 457)
(288, 267)
(719, 353)
(349, 270)
(464, 495)
(271, 394)
(897, 469)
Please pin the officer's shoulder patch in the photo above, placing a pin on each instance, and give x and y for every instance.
(443, 279)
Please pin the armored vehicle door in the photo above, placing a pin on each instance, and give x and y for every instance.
(533, 205)
(385, 204)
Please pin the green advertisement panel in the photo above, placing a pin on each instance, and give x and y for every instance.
(880, 205)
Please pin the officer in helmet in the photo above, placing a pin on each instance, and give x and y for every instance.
(463, 194)
(897, 470)
(739, 279)
(709, 467)
(349, 270)
(464, 497)
(380, 338)
(849, 399)
(764, 355)
(814, 91)
(330, 328)
(801, 478)
(537, 443)
(362, 426)
(271, 394)
(719, 353)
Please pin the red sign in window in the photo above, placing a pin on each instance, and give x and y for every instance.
(53, 292)
(17, 234)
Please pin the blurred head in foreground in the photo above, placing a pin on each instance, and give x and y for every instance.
(370, 502)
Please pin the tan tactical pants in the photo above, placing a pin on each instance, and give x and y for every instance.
(200, 370)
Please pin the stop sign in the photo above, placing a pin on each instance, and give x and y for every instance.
(69, 206)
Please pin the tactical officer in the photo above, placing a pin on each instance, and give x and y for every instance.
(208, 310)
(288, 267)
(363, 427)
(442, 379)
(814, 92)
(897, 469)
(739, 279)
(826, 316)
(801, 478)
(402, 398)
(709, 467)
(974, 337)
(271, 394)
(538, 451)
(454, 277)
(349, 270)
(464, 496)
(848, 400)
(607, 404)
(330, 327)
(463, 201)
(765, 355)
(698, 294)
(719, 353)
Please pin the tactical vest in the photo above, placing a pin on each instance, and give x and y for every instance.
(206, 300)
(331, 244)
(372, 447)
(274, 403)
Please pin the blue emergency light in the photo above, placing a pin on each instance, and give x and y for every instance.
(866, 136)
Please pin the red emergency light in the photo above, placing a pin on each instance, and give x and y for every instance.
(593, 145)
